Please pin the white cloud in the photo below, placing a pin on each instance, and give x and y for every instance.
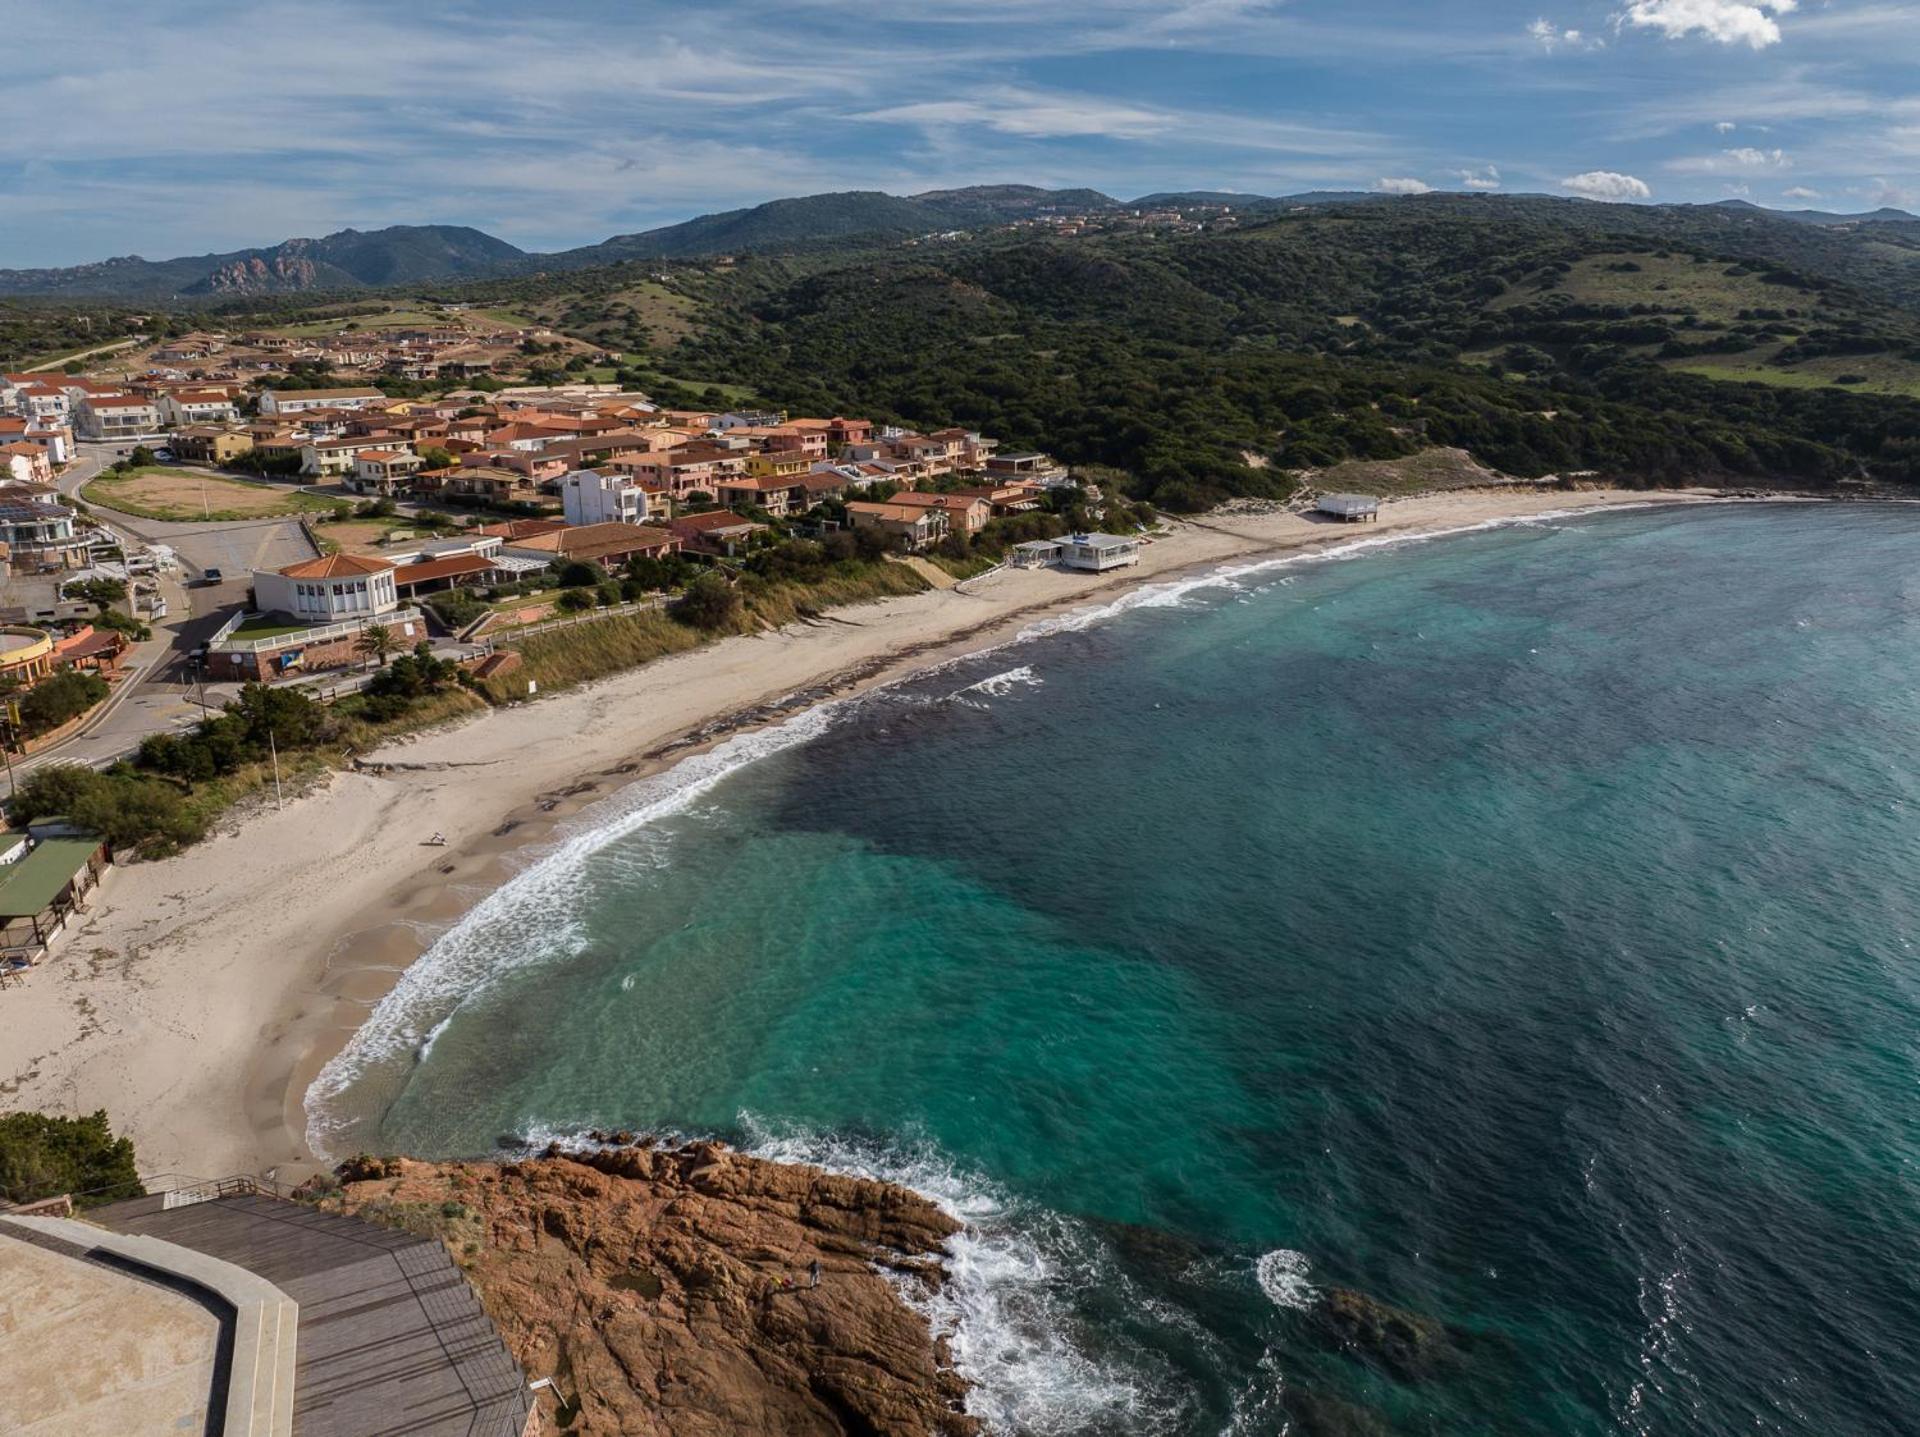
(1405, 185)
(1033, 115)
(1799, 192)
(1607, 185)
(1744, 159)
(1741, 191)
(1730, 22)
(1484, 179)
(1726, 127)
(1881, 192)
(1550, 37)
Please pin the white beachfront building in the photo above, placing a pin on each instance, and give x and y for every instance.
(1098, 553)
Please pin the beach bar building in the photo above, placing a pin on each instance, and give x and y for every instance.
(1350, 508)
(42, 888)
(1098, 553)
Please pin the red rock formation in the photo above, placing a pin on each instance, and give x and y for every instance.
(669, 1291)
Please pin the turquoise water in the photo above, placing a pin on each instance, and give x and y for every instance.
(1517, 927)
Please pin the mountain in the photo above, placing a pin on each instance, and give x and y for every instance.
(1886, 214)
(349, 259)
(817, 219)
(424, 254)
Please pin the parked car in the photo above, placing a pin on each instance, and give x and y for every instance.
(163, 456)
(211, 576)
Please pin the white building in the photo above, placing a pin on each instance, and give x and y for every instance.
(332, 590)
(1099, 552)
(197, 406)
(116, 416)
(591, 497)
(295, 401)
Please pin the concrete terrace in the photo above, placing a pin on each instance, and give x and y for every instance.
(281, 1318)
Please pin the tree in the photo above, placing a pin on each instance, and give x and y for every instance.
(376, 641)
(65, 695)
(43, 1157)
(434, 457)
(141, 455)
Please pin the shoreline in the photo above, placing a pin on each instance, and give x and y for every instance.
(204, 994)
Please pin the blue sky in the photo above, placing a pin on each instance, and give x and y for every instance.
(193, 125)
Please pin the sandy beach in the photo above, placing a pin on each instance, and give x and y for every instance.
(202, 994)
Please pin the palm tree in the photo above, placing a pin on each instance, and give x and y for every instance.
(376, 641)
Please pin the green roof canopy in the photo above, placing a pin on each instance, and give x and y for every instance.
(29, 886)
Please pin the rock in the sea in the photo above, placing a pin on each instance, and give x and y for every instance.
(670, 1291)
(1408, 1345)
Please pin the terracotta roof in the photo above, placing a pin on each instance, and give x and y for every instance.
(514, 529)
(593, 541)
(713, 523)
(335, 566)
(453, 567)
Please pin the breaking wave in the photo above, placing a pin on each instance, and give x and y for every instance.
(1017, 1275)
(523, 923)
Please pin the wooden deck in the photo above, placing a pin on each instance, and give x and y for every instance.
(392, 1340)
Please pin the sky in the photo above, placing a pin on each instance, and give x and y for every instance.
(188, 126)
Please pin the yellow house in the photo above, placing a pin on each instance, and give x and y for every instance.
(780, 464)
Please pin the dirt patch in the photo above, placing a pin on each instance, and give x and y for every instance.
(188, 494)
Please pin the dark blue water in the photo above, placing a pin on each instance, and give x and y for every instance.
(1516, 928)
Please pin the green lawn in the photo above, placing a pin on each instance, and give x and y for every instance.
(733, 393)
(264, 626)
(1883, 374)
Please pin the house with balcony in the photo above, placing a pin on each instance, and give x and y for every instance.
(920, 528)
(966, 513)
(298, 401)
(197, 406)
(310, 616)
(588, 496)
(39, 531)
(383, 471)
(116, 416)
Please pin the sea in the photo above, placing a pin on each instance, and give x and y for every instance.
(1515, 928)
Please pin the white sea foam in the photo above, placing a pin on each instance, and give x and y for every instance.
(999, 685)
(525, 921)
(1283, 1277)
(1005, 1310)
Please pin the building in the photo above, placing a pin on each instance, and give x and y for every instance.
(609, 545)
(116, 416)
(336, 456)
(383, 471)
(921, 528)
(26, 655)
(39, 530)
(433, 575)
(588, 496)
(1098, 553)
(197, 406)
(966, 513)
(720, 533)
(25, 463)
(1349, 508)
(208, 444)
(43, 888)
(331, 590)
(297, 401)
(1035, 468)
(1035, 554)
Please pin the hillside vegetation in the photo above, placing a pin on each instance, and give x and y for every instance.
(1541, 336)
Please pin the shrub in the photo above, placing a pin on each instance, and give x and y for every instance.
(572, 601)
(42, 1157)
(53, 701)
(709, 603)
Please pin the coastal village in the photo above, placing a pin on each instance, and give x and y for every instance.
(191, 519)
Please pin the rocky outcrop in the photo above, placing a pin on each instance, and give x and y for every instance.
(1409, 1345)
(694, 1291)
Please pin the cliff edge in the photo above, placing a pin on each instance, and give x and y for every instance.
(693, 1291)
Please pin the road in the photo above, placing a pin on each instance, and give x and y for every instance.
(161, 689)
(118, 344)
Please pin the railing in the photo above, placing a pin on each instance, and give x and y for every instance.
(224, 644)
(507, 637)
